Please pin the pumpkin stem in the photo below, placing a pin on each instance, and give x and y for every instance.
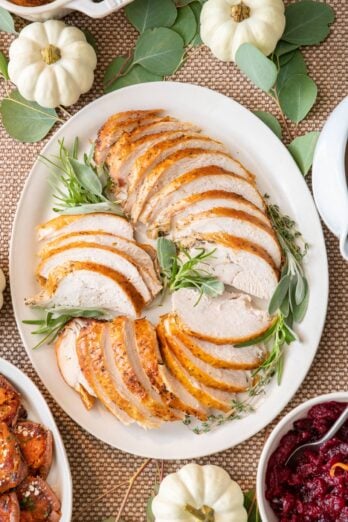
(51, 54)
(240, 12)
(205, 514)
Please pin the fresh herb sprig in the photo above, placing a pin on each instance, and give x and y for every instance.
(178, 270)
(80, 186)
(54, 321)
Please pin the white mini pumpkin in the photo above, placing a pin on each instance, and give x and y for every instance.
(227, 24)
(2, 287)
(52, 63)
(207, 491)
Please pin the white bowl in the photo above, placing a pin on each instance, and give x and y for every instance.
(59, 8)
(285, 425)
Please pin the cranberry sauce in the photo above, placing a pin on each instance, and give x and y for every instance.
(306, 491)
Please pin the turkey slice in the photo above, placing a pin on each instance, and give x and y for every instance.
(137, 252)
(89, 286)
(102, 255)
(116, 125)
(233, 222)
(237, 262)
(228, 318)
(76, 223)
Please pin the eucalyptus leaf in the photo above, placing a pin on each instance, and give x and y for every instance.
(147, 14)
(285, 58)
(297, 96)
(284, 48)
(185, 24)
(307, 22)
(296, 65)
(4, 66)
(150, 517)
(302, 150)
(6, 22)
(159, 51)
(256, 66)
(119, 65)
(90, 39)
(279, 294)
(24, 120)
(87, 177)
(271, 122)
(250, 504)
(136, 74)
(196, 7)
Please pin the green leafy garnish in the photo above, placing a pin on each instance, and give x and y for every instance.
(271, 122)
(178, 270)
(307, 22)
(302, 150)
(79, 185)
(257, 67)
(54, 321)
(147, 14)
(250, 504)
(6, 22)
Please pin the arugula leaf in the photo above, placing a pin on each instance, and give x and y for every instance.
(256, 66)
(159, 51)
(302, 150)
(307, 22)
(271, 122)
(147, 14)
(297, 96)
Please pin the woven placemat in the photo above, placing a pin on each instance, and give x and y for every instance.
(95, 466)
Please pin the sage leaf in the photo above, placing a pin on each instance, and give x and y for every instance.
(250, 504)
(279, 294)
(307, 22)
(285, 306)
(185, 24)
(302, 150)
(166, 252)
(87, 177)
(212, 287)
(260, 338)
(297, 96)
(6, 22)
(90, 39)
(196, 8)
(147, 14)
(300, 290)
(91, 208)
(271, 122)
(136, 74)
(301, 309)
(296, 65)
(159, 51)
(284, 48)
(4, 66)
(256, 66)
(24, 120)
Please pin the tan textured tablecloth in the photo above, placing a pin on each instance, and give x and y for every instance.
(95, 466)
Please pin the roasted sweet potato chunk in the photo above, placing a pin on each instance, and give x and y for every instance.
(36, 444)
(9, 508)
(37, 501)
(10, 402)
(13, 468)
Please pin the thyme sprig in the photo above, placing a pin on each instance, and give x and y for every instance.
(79, 186)
(179, 270)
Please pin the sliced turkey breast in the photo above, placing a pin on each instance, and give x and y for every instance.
(219, 355)
(89, 286)
(200, 202)
(228, 318)
(222, 379)
(197, 181)
(148, 166)
(123, 343)
(109, 257)
(116, 125)
(93, 354)
(233, 222)
(76, 223)
(237, 262)
(138, 253)
(68, 363)
(167, 123)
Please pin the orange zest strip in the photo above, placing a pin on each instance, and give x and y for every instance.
(338, 465)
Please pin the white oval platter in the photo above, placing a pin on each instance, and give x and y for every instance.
(261, 151)
(59, 477)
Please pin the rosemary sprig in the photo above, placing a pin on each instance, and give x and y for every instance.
(178, 270)
(79, 186)
(54, 321)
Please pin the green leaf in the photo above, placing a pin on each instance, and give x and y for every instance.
(260, 338)
(285, 58)
(259, 69)
(279, 294)
(3, 66)
(166, 252)
(250, 504)
(296, 65)
(301, 309)
(196, 7)
(147, 14)
(159, 51)
(302, 150)
(271, 122)
(24, 120)
(90, 39)
(284, 48)
(212, 287)
(113, 70)
(136, 74)
(87, 177)
(149, 513)
(185, 24)
(307, 22)
(110, 519)
(6, 22)
(297, 96)
(91, 208)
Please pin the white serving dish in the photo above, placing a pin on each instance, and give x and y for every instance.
(256, 146)
(272, 443)
(60, 8)
(329, 174)
(59, 477)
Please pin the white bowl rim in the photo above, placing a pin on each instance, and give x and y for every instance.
(17, 9)
(269, 447)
